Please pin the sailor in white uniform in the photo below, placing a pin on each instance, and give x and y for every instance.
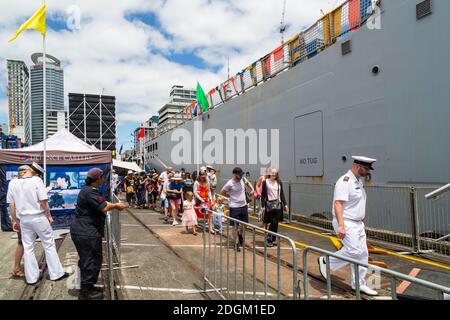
(349, 210)
(28, 202)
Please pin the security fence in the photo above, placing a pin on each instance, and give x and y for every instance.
(112, 234)
(441, 292)
(395, 214)
(254, 271)
(331, 28)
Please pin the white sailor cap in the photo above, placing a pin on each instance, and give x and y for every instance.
(37, 168)
(364, 161)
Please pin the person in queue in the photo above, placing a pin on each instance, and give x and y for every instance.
(203, 195)
(235, 190)
(141, 186)
(129, 187)
(175, 195)
(273, 202)
(87, 231)
(28, 204)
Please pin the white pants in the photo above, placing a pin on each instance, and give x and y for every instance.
(31, 226)
(354, 247)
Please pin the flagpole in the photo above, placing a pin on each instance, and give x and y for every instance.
(44, 78)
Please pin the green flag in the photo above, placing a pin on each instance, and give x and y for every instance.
(201, 98)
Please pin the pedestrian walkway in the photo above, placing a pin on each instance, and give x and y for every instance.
(161, 272)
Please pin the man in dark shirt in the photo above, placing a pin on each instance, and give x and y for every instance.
(87, 231)
(129, 186)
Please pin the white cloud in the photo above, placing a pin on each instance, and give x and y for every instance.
(127, 58)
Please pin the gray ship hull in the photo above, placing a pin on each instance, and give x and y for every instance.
(333, 106)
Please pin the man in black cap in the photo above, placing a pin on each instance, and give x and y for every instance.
(87, 231)
(349, 210)
(235, 190)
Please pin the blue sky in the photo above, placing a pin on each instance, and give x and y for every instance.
(137, 49)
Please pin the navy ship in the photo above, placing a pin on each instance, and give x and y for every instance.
(368, 78)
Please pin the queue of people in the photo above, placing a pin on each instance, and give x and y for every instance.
(178, 192)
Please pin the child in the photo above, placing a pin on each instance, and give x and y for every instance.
(189, 218)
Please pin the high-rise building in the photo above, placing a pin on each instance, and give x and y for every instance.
(18, 92)
(54, 94)
(56, 120)
(171, 114)
(92, 118)
(3, 129)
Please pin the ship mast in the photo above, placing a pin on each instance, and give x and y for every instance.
(282, 23)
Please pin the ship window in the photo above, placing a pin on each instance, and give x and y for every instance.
(423, 9)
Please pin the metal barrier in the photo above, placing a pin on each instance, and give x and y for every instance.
(215, 251)
(112, 227)
(440, 290)
(432, 222)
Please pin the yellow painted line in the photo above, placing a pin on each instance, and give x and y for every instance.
(428, 262)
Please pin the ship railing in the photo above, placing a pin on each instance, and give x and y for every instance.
(398, 215)
(441, 292)
(257, 271)
(328, 30)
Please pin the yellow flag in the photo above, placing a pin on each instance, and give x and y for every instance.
(37, 22)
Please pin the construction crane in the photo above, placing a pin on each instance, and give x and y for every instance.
(282, 23)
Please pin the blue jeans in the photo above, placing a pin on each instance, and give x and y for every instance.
(5, 219)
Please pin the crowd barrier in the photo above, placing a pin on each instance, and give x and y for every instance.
(112, 234)
(230, 277)
(441, 292)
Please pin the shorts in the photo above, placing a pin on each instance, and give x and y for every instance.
(165, 203)
(175, 202)
(239, 214)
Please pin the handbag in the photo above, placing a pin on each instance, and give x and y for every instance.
(273, 205)
(172, 196)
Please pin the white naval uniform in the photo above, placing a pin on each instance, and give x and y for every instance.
(26, 195)
(351, 191)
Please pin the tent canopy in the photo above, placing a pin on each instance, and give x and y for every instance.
(126, 165)
(63, 140)
(63, 148)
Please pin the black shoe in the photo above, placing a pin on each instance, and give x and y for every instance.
(241, 239)
(87, 293)
(65, 275)
(269, 244)
(237, 248)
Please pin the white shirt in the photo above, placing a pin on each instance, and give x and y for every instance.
(164, 188)
(26, 195)
(114, 181)
(163, 176)
(351, 191)
(236, 190)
